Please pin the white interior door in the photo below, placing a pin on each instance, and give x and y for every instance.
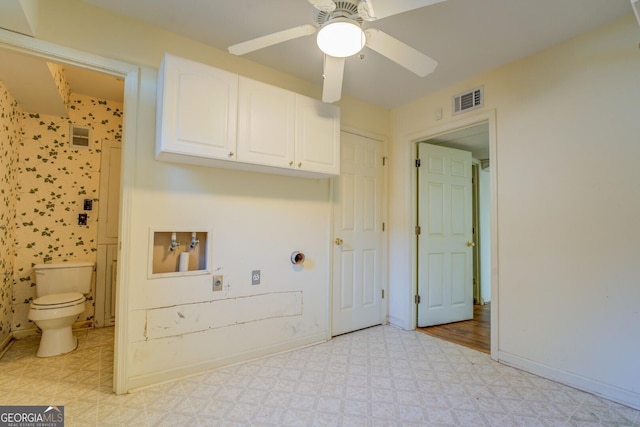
(358, 236)
(445, 263)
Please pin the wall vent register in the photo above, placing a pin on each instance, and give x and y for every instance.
(469, 100)
(79, 137)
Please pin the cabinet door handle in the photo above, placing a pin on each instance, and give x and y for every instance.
(291, 163)
(339, 241)
(300, 164)
(230, 153)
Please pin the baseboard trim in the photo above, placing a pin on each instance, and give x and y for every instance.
(400, 323)
(23, 333)
(142, 382)
(607, 391)
(5, 343)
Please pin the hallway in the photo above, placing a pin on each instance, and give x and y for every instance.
(475, 333)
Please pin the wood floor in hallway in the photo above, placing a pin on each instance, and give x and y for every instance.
(475, 334)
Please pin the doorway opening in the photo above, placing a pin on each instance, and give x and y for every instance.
(38, 52)
(456, 288)
(73, 178)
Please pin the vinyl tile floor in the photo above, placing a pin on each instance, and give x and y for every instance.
(382, 376)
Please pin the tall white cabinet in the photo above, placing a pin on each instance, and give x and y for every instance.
(211, 117)
(108, 226)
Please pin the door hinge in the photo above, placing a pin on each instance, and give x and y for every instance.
(384, 226)
(418, 230)
(418, 163)
(383, 294)
(417, 299)
(384, 160)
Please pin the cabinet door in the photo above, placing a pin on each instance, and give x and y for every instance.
(197, 107)
(317, 136)
(266, 124)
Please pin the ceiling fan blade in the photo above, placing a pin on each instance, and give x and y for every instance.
(333, 72)
(370, 10)
(323, 5)
(271, 39)
(400, 52)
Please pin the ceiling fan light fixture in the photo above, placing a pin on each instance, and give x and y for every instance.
(341, 37)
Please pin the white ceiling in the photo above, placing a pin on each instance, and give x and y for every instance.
(466, 37)
(30, 82)
(95, 84)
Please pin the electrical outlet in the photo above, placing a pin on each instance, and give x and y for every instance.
(255, 277)
(218, 281)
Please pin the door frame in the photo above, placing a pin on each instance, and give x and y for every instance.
(385, 235)
(130, 73)
(413, 140)
(475, 224)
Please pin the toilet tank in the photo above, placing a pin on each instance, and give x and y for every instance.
(63, 277)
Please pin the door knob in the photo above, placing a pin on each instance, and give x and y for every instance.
(470, 244)
(339, 241)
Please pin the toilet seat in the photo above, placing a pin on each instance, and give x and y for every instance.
(58, 301)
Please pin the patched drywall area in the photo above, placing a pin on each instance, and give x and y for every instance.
(189, 318)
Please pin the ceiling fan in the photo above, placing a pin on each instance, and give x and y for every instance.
(340, 35)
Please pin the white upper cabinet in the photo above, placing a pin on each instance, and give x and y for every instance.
(317, 136)
(196, 110)
(266, 124)
(208, 116)
(279, 128)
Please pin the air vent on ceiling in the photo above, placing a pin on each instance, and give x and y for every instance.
(469, 100)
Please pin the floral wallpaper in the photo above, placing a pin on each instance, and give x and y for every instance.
(10, 115)
(53, 180)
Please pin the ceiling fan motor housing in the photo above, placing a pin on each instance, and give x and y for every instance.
(344, 9)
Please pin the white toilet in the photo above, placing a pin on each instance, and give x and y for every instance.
(60, 289)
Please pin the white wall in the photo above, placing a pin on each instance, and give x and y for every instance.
(568, 204)
(256, 220)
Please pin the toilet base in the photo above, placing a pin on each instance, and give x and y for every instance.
(55, 342)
